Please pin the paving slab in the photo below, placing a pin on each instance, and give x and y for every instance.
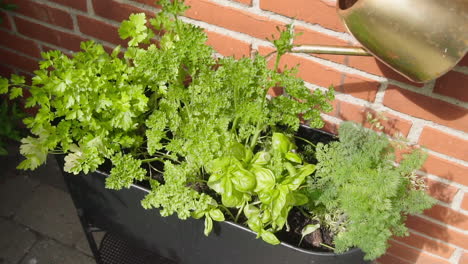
(48, 251)
(51, 212)
(83, 245)
(50, 173)
(14, 190)
(15, 241)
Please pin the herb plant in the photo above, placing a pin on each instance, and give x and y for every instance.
(357, 176)
(167, 111)
(10, 112)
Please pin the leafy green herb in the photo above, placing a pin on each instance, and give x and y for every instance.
(175, 108)
(357, 176)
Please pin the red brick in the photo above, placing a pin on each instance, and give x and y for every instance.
(453, 84)
(310, 37)
(448, 216)
(44, 13)
(77, 4)
(6, 22)
(18, 61)
(322, 75)
(20, 44)
(313, 72)
(351, 112)
(389, 259)
(6, 71)
(49, 35)
(114, 10)
(426, 244)
(148, 2)
(464, 204)
(413, 255)
(245, 2)
(425, 107)
(374, 66)
(232, 18)
(446, 169)
(315, 12)
(359, 87)
(100, 30)
(228, 46)
(330, 127)
(464, 61)
(441, 191)
(437, 231)
(445, 143)
(464, 258)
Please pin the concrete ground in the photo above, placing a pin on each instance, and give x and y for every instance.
(38, 221)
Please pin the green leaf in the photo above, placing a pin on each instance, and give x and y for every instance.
(261, 158)
(291, 156)
(217, 215)
(270, 238)
(135, 28)
(299, 199)
(3, 85)
(308, 229)
(243, 180)
(281, 143)
(208, 225)
(251, 211)
(16, 92)
(17, 80)
(265, 179)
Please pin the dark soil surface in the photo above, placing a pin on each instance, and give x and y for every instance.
(297, 221)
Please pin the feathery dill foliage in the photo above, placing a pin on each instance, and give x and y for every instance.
(357, 176)
(170, 105)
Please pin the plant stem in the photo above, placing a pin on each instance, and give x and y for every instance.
(227, 211)
(239, 212)
(305, 140)
(255, 137)
(327, 246)
(152, 159)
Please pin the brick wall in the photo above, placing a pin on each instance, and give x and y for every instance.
(434, 115)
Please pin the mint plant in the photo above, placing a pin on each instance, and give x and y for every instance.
(357, 177)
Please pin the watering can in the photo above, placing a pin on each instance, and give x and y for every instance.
(420, 39)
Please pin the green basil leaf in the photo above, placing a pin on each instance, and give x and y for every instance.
(208, 225)
(299, 199)
(233, 198)
(270, 238)
(198, 214)
(255, 224)
(291, 156)
(280, 143)
(302, 173)
(261, 158)
(217, 215)
(243, 180)
(265, 179)
(308, 229)
(251, 211)
(237, 150)
(218, 182)
(266, 216)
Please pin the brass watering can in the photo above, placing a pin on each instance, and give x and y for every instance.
(420, 39)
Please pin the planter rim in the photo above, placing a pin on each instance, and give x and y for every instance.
(310, 252)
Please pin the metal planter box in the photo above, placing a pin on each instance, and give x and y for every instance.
(183, 241)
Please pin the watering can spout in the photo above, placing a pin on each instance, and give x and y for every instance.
(420, 39)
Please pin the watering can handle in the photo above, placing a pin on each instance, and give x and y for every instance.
(334, 50)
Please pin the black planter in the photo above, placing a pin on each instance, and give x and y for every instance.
(183, 241)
